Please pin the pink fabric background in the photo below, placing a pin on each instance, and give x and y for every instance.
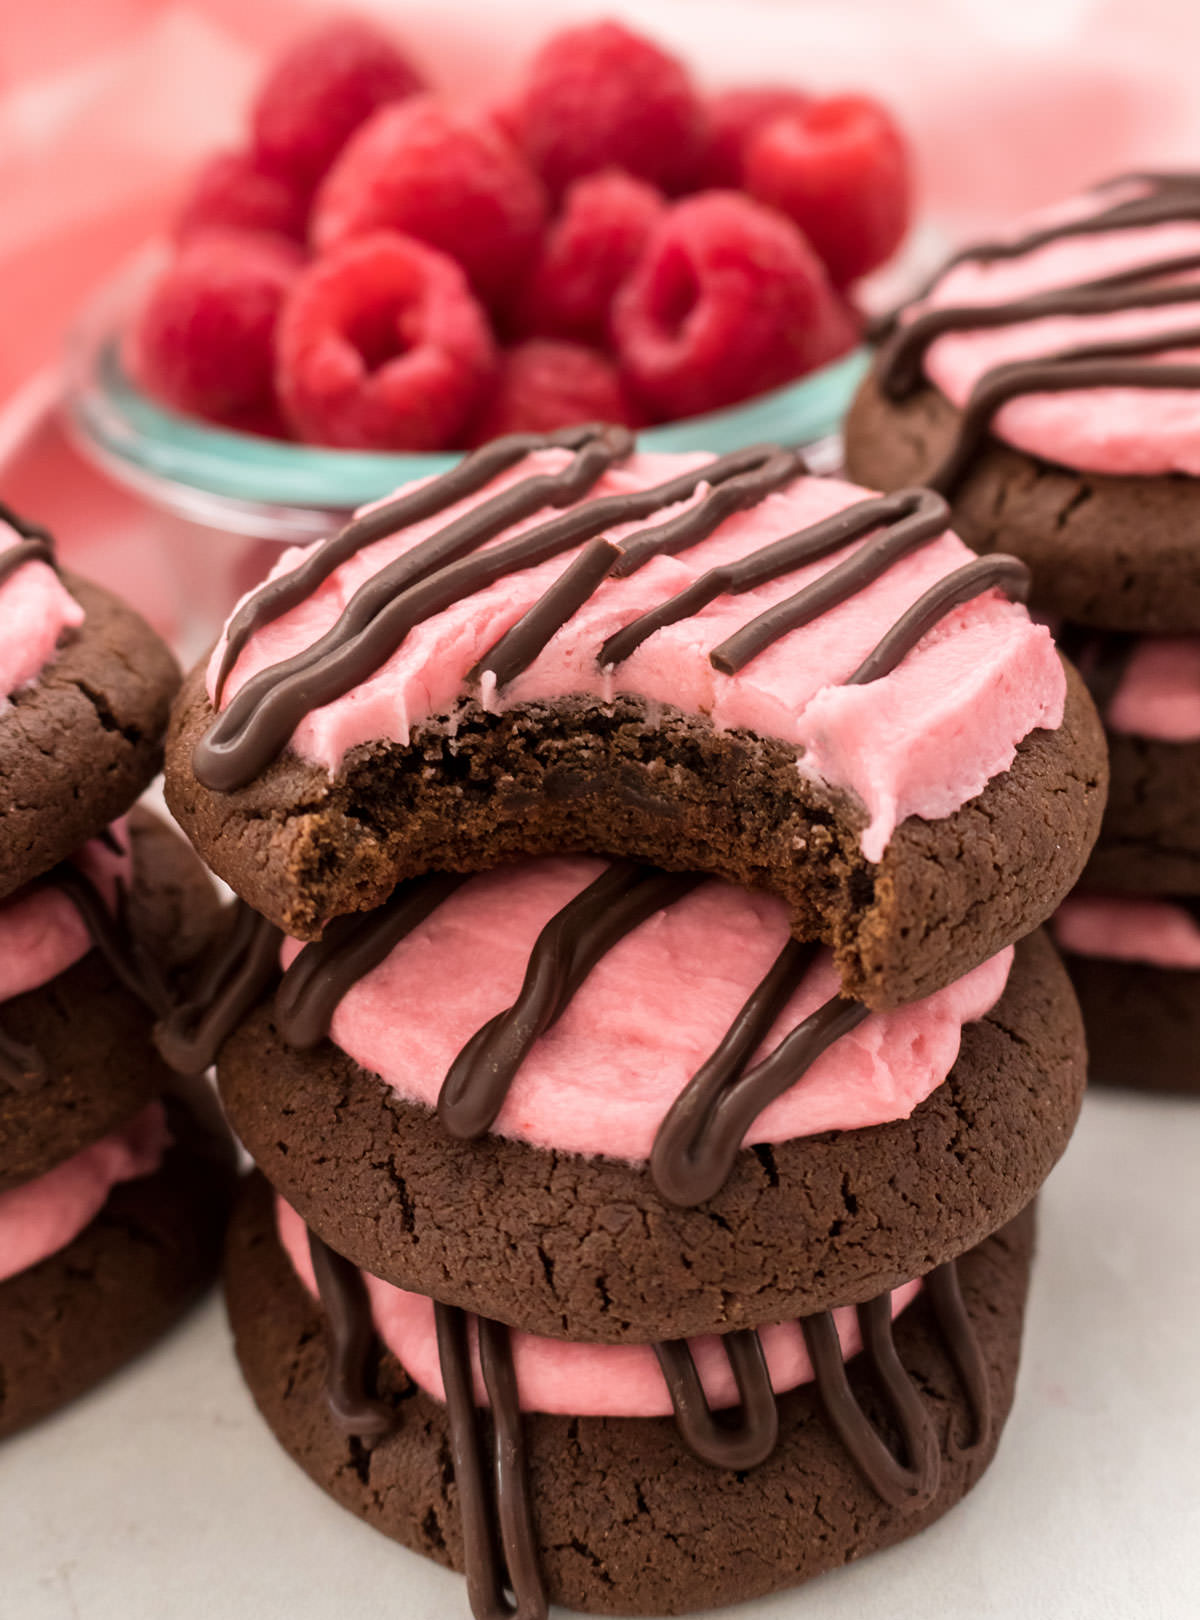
(104, 103)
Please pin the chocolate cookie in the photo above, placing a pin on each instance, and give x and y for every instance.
(91, 1027)
(155, 1246)
(1143, 1023)
(725, 665)
(572, 776)
(1104, 550)
(585, 1247)
(1041, 383)
(1150, 837)
(80, 743)
(624, 1518)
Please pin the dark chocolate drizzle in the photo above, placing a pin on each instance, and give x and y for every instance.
(242, 964)
(347, 951)
(738, 1440)
(22, 1067)
(34, 549)
(945, 1295)
(751, 1437)
(499, 1543)
(456, 561)
(27, 530)
(565, 952)
(350, 1344)
(701, 1134)
(1119, 364)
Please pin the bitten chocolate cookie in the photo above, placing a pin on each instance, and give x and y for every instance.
(83, 737)
(620, 1516)
(572, 1164)
(76, 1049)
(1007, 386)
(1135, 965)
(75, 1317)
(723, 665)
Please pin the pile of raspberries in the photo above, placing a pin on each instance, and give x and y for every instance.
(381, 268)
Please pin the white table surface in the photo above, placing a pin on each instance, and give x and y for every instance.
(162, 1496)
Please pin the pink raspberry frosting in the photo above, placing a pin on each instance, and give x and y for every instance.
(577, 1380)
(42, 1216)
(1120, 929)
(1159, 691)
(645, 1019)
(921, 741)
(1106, 430)
(42, 933)
(35, 609)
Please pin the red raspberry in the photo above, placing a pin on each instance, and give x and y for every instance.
(545, 385)
(733, 117)
(589, 250)
(205, 339)
(841, 172)
(237, 191)
(602, 97)
(439, 174)
(382, 347)
(321, 90)
(729, 300)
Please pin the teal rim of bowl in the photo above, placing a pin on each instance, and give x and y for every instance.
(127, 424)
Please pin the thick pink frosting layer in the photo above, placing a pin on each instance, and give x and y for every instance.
(42, 933)
(652, 1010)
(1120, 929)
(35, 609)
(578, 1380)
(1159, 691)
(921, 741)
(1108, 430)
(43, 1216)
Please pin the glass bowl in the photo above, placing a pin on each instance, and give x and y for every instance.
(274, 490)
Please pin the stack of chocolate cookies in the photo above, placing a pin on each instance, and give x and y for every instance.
(1048, 385)
(111, 1201)
(635, 1011)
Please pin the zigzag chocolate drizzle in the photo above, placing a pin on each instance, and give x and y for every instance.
(27, 530)
(1118, 364)
(752, 1437)
(701, 1135)
(22, 1067)
(350, 1342)
(497, 1518)
(244, 960)
(456, 562)
(502, 1519)
(25, 551)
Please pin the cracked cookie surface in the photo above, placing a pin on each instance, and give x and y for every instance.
(579, 776)
(1113, 551)
(627, 1521)
(583, 1247)
(80, 743)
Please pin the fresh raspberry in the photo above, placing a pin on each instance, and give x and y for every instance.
(444, 176)
(600, 97)
(729, 300)
(382, 347)
(321, 90)
(600, 235)
(545, 384)
(733, 117)
(841, 172)
(237, 191)
(205, 339)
